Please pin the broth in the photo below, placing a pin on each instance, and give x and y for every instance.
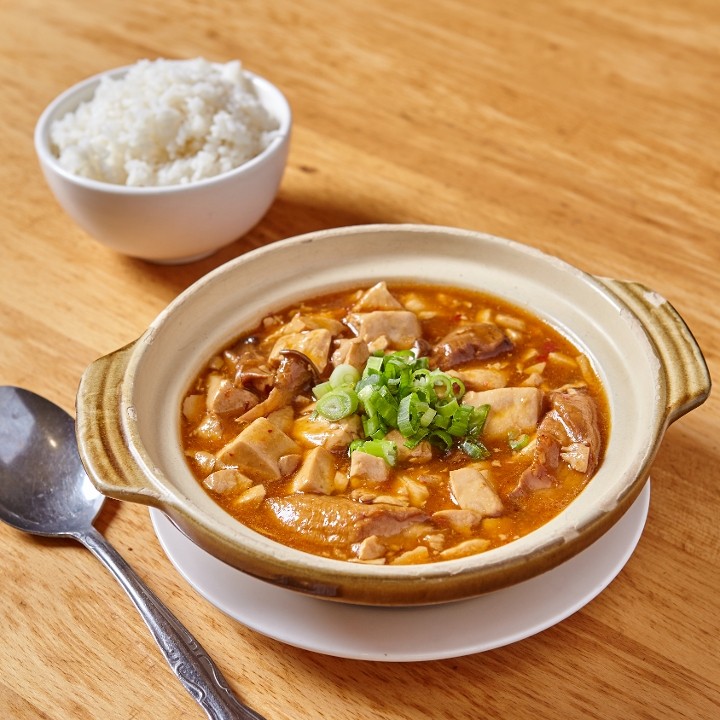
(456, 423)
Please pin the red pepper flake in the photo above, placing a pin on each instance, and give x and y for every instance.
(547, 347)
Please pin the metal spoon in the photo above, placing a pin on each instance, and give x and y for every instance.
(44, 490)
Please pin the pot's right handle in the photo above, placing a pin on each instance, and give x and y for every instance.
(102, 444)
(686, 372)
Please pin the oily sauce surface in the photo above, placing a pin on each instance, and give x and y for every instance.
(539, 357)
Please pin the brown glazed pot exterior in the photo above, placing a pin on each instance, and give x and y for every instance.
(128, 404)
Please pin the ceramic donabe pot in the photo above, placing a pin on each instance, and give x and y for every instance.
(128, 407)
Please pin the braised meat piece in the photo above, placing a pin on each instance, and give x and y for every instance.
(569, 431)
(224, 397)
(295, 375)
(325, 520)
(251, 366)
(469, 342)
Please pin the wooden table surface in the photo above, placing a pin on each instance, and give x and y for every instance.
(586, 129)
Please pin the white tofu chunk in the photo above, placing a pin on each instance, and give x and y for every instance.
(313, 322)
(461, 521)
(300, 322)
(288, 464)
(333, 436)
(283, 418)
(316, 474)
(226, 480)
(315, 344)
(417, 492)
(194, 407)
(512, 410)
(481, 378)
(369, 467)
(465, 548)
(351, 351)
(257, 450)
(370, 549)
(421, 453)
(223, 397)
(401, 328)
(417, 555)
(378, 297)
(472, 489)
(252, 497)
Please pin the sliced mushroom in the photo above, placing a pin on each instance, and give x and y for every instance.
(479, 341)
(296, 374)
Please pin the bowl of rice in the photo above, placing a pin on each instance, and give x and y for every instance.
(166, 160)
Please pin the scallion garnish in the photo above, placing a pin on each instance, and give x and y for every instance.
(398, 391)
(518, 442)
(322, 389)
(343, 376)
(385, 449)
(337, 404)
(475, 449)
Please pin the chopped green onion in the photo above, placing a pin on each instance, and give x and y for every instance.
(459, 426)
(480, 415)
(337, 404)
(374, 426)
(475, 449)
(405, 418)
(398, 391)
(373, 365)
(441, 437)
(386, 406)
(385, 449)
(448, 409)
(427, 417)
(518, 442)
(416, 439)
(368, 381)
(321, 389)
(344, 375)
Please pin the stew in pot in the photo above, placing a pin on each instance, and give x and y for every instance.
(403, 424)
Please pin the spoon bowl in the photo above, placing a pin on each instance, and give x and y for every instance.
(44, 490)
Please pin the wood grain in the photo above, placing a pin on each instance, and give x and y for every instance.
(588, 130)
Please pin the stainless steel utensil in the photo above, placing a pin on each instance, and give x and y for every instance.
(44, 490)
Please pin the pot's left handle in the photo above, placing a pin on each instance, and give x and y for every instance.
(687, 378)
(101, 442)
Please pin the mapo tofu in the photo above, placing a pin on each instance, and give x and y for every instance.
(403, 424)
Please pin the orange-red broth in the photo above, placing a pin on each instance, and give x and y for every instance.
(536, 344)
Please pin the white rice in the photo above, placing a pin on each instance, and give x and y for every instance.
(166, 122)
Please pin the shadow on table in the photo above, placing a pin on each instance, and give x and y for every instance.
(286, 218)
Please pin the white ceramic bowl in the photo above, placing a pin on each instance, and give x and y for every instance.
(128, 407)
(170, 224)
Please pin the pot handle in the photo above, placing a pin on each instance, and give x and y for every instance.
(101, 442)
(687, 378)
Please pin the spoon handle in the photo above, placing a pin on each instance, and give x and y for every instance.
(189, 661)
